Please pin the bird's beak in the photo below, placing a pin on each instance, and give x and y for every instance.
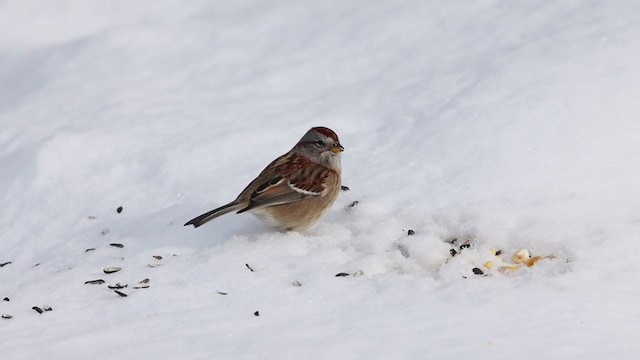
(337, 148)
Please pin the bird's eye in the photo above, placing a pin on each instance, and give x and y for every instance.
(320, 143)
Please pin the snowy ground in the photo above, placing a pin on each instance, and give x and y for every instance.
(511, 124)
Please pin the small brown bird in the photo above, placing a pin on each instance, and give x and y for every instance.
(294, 190)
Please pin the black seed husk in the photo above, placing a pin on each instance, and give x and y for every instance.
(342, 274)
(117, 286)
(119, 209)
(5, 264)
(89, 249)
(47, 308)
(248, 267)
(344, 188)
(221, 292)
(120, 293)
(6, 299)
(95, 282)
(116, 245)
(6, 316)
(157, 257)
(453, 252)
(477, 271)
(464, 246)
(257, 313)
(411, 232)
(144, 281)
(498, 252)
(40, 311)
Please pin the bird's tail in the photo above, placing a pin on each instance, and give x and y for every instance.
(210, 215)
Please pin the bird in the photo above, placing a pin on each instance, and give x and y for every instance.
(295, 189)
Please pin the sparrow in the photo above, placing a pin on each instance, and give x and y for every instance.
(295, 189)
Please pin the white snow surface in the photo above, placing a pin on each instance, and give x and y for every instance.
(509, 124)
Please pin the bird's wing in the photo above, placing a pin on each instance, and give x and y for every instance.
(289, 183)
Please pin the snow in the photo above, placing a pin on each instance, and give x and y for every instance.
(510, 124)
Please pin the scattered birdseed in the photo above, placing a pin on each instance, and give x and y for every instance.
(257, 313)
(91, 217)
(358, 273)
(111, 270)
(221, 292)
(498, 252)
(95, 282)
(119, 209)
(352, 204)
(144, 281)
(464, 246)
(342, 274)
(47, 308)
(453, 252)
(296, 283)
(40, 311)
(477, 271)
(344, 188)
(141, 287)
(248, 267)
(157, 257)
(4, 264)
(104, 231)
(411, 232)
(120, 293)
(89, 249)
(116, 245)
(36, 265)
(117, 286)
(6, 316)
(6, 299)
(154, 265)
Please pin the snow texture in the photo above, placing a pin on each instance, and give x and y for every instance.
(505, 124)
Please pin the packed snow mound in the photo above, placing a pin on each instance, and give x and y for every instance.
(482, 127)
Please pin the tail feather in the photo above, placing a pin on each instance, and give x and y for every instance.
(210, 215)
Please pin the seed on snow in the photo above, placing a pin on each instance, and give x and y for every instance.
(120, 293)
(119, 209)
(95, 282)
(221, 292)
(89, 249)
(157, 257)
(141, 287)
(296, 283)
(154, 265)
(104, 231)
(144, 281)
(342, 274)
(116, 245)
(5, 264)
(257, 313)
(6, 299)
(521, 256)
(6, 316)
(47, 308)
(477, 271)
(40, 311)
(358, 273)
(117, 286)
(344, 188)
(533, 260)
(111, 270)
(248, 267)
